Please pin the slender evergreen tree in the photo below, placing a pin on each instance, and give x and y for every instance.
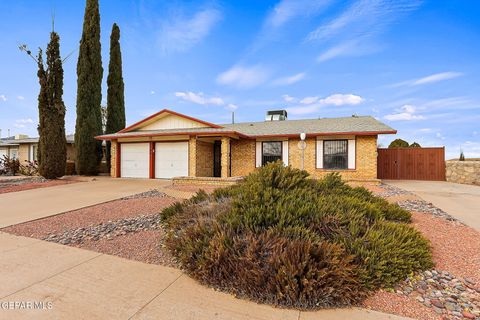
(89, 93)
(52, 152)
(115, 92)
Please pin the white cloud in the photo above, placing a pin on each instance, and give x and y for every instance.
(354, 29)
(439, 136)
(437, 77)
(3, 97)
(231, 107)
(21, 123)
(343, 99)
(429, 79)
(20, 97)
(181, 33)
(309, 100)
(313, 104)
(199, 98)
(289, 80)
(364, 17)
(405, 113)
(288, 98)
(286, 10)
(152, 92)
(244, 77)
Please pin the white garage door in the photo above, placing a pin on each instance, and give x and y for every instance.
(135, 160)
(171, 159)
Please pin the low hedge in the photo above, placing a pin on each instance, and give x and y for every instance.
(284, 239)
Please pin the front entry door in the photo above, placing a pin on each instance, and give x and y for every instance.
(217, 159)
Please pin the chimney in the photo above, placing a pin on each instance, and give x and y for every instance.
(276, 115)
(233, 117)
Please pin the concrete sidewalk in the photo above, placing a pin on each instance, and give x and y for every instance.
(459, 200)
(22, 206)
(83, 284)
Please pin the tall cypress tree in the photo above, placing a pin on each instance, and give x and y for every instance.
(89, 93)
(52, 149)
(115, 94)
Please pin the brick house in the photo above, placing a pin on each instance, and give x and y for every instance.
(170, 145)
(24, 148)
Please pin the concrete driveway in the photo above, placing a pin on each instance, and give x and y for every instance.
(22, 206)
(75, 283)
(459, 200)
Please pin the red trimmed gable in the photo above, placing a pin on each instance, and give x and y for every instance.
(160, 114)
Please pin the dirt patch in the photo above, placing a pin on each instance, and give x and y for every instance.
(144, 246)
(90, 216)
(28, 185)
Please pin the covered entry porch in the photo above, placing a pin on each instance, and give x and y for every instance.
(210, 156)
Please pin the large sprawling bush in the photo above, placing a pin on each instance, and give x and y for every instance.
(284, 239)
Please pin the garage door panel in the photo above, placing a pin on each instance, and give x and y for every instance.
(171, 159)
(135, 160)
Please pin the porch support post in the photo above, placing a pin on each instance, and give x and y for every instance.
(192, 157)
(225, 157)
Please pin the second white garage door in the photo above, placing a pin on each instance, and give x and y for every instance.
(171, 159)
(135, 160)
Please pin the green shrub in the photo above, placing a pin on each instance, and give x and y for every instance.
(284, 239)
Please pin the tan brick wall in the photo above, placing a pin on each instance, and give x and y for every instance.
(243, 157)
(113, 161)
(23, 151)
(366, 158)
(204, 159)
(225, 157)
(192, 159)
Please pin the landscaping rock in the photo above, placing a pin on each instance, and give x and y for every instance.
(425, 207)
(107, 230)
(446, 294)
(392, 191)
(146, 194)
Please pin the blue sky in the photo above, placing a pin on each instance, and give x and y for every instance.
(414, 65)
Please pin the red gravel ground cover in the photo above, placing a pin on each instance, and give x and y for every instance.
(145, 246)
(35, 185)
(109, 211)
(455, 248)
(390, 302)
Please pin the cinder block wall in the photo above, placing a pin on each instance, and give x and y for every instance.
(366, 158)
(204, 159)
(243, 157)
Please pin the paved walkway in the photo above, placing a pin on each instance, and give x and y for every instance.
(459, 200)
(22, 206)
(84, 284)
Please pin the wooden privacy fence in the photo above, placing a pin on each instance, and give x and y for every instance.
(411, 163)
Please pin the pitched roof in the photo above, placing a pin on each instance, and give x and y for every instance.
(312, 127)
(353, 124)
(70, 139)
(162, 113)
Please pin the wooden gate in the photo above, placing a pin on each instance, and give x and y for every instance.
(411, 164)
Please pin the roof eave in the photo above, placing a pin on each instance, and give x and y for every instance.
(185, 133)
(227, 133)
